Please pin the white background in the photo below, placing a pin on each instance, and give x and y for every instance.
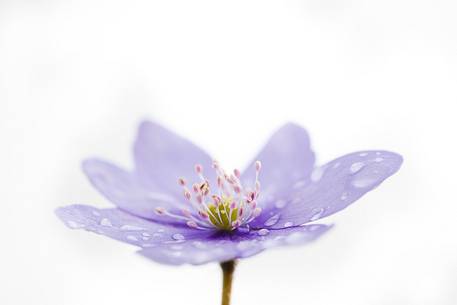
(76, 78)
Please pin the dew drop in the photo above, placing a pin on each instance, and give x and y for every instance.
(178, 236)
(364, 182)
(336, 165)
(288, 224)
(317, 174)
(145, 238)
(272, 220)
(263, 232)
(364, 154)
(147, 245)
(317, 214)
(356, 167)
(160, 230)
(146, 234)
(299, 184)
(199, 245)
(378, 159)
(96, 213)
(280, 204)
(74, 225)
(131, 237)
(344, 196)
(131, 228)
(106, 222)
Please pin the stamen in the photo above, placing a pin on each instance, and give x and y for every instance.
(231, 207)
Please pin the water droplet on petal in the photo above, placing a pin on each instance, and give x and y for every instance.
(263, 232)
(131, 237)
(288, 224)
(146, 234)
(280, 204)
(317, 174)
(96, 213)
(131, 228)
(178, 236)
(160, 230)
(364, 154)
(199, 245)
(378, 159)
(272, 220)
(336, 164)
(356, 167)
(148, 245)
(317, 214)
(344, 196)
(74, 225)
(363, 182)
(299, 184)
(106, 222)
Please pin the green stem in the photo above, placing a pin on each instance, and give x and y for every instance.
(227, 275)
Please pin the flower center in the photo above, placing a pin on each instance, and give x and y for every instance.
(226, 206)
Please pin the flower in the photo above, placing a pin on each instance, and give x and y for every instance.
(180, 206)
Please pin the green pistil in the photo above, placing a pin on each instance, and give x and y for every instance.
(224, 219)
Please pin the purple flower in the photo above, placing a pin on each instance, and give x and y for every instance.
(179, 206)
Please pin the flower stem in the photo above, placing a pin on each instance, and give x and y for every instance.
(228, 268)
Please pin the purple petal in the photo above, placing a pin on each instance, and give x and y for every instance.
(286, 158)
(332, 187)
(162, 156)
(128, 192)
(204, 250)
(125, 227)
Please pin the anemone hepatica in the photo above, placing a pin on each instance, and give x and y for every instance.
(179, 206)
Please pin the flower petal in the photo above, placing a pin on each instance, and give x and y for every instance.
(162, 157)
(332, 187)
(286, 158)
(129, 192)
(125, 227)
(204, 250)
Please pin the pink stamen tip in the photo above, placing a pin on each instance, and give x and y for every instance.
(192, 224)
(160, 210)
(198, 168)
(253, 204)
(237, 173)
(186, 213)
(241, 211)
(233, 205)
(216, 199)
(258, 166)
(187, 195)
(257, 212)
(203, 214)
(215, 164)
(181, 181)
(199, 199)
(237, 189)
(195, 188)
